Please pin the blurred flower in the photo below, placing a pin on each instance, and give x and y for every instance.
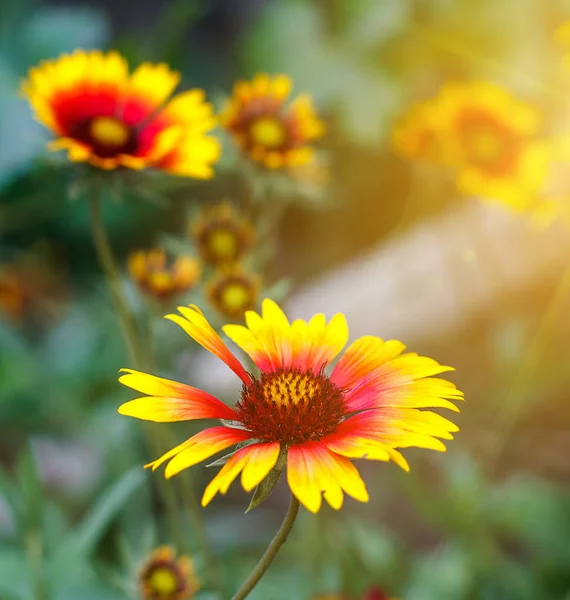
(30, 286)
(109, 118)
(371, 594)
(375, 593)
(419, 134)
(489, 135)
(222, 236)
(158, 277)
(366, 408)
(164, 577)
(265, 129)
(233, 291)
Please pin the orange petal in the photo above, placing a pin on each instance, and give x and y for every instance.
(261, 459)
(198, 448)
(312, 469)
(363, 356)
(197, 327)
(225, 477)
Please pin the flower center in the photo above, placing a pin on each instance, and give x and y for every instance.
(109, 131)
(235, 296)
(223, 243)
(488, 143)
(291, 406)
(163, 581)
(107, 136)
(268, 131)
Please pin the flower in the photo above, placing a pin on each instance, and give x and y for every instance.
(233, 291)
(157, 278)
(368, 406)
(164, 577)
(222, 236)
(375, 593)
(490, 140)
(419, 134)
(265, 129)
(109, 118)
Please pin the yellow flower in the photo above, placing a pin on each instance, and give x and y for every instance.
(222, 236)
(265, 129)
(109, 118)
(490, 140)
(371, 403)
(165, 577)
(233, 291)
(156, 277)
(420, 134)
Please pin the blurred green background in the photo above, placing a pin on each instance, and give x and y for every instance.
(488, 520)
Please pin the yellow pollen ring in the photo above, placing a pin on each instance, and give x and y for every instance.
(486, 145)
(163, 582)
(235, 296)
(109, 131)
(268, 132)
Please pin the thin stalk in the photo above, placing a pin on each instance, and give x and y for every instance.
(528, 367)
(107, 260)
(135, 348)
(271, 552)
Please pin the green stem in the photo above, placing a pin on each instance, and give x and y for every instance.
(271, 552)
(107, 260)
(134, 344)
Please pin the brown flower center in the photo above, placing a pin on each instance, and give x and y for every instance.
(291, 406)
(106, 136)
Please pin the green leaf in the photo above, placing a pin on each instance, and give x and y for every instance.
(82, 541)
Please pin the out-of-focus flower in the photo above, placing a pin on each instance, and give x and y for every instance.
(419, 135)
(553, 202)
(221, 235)
(109, 118)
(292, 410)
(165, 577)
(160, 278)
(490, 140)
(29, 285)
(233, 291)
(267, 130)
(376, 593)
(316, 173)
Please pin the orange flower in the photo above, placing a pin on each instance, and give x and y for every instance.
(490, 138)
(367, 407)
(222, 236)
(165, 577)
(265, 129)
(157, 278)
(109, 118)
(233, 291)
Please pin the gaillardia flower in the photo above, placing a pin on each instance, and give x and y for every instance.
(267, 130)
(158, 277)
(367, 407)
(419, 135)
(109, 118)
(165, 577)
(233, 291)
(490, 139)
(222, 235)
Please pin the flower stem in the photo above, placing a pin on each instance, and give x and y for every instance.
(132, 337)
(271, 552)
(107, 260)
